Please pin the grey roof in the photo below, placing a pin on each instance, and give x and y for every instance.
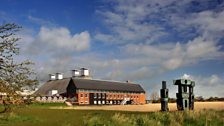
(88, 84)
(106, 85)
(59, 85)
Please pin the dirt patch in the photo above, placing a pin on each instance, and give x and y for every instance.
(147, 107)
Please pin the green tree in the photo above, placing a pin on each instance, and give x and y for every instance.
(14, 75)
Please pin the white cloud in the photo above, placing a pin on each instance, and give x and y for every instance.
(128, 22)
(105, 37)
(51, 41)
(62, 38)
(209, 21)
(173, 56)
(193, 52)
(150, 21)
(186, 76)
(40, 21)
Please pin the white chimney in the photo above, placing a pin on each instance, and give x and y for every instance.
(59, 76)
(52, 77)
(84, 72)
(75, 73)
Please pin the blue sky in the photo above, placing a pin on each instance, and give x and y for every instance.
(143, 41)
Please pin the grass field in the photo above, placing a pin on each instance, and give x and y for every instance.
(147, 107)
(41, 115)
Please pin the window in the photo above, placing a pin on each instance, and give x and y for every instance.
(86, 102)
(185, 88)
(99, 95)
(103, 96)
(86, 95)
(95, 95)
(81, 95)
(118, 102)
(99, 102)
(95, 102)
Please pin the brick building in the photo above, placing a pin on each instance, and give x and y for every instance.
(84, 90)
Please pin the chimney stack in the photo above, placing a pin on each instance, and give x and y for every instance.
(128, 81)
(84, 72)
(75, 73)
(52, 77)
(59, 76)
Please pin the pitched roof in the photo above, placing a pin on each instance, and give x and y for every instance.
(59, 85)
(90, 84)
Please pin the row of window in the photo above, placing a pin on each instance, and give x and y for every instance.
(102, 95)
(99, 95)
(114, 102)
(120, 96)
(82, 102)
(82, 95)
(99, 102)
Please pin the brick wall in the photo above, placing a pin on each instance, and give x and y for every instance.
(83, 97)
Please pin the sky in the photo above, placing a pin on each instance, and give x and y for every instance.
(144, 41)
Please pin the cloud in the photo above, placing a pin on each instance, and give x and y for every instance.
(173, 56)
(128, 22)
(186, 76)
(62, 38)
(159, 21)
(53, 40)
(40, 21)
(209, 21)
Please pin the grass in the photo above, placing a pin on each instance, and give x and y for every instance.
(40, 114)
(44, 105)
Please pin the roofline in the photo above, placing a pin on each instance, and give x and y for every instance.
(115, 90)
(107, 81)
(96, 80)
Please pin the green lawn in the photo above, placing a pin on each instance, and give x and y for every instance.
(40, 115)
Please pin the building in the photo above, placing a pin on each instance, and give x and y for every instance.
(83, 90)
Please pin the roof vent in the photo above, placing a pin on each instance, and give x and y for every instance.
(75, 73)
(128, 81)
(52, 77)
(59, 76)
(84, 72)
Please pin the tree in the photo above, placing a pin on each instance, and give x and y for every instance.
(14, 75)
(154, 97)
